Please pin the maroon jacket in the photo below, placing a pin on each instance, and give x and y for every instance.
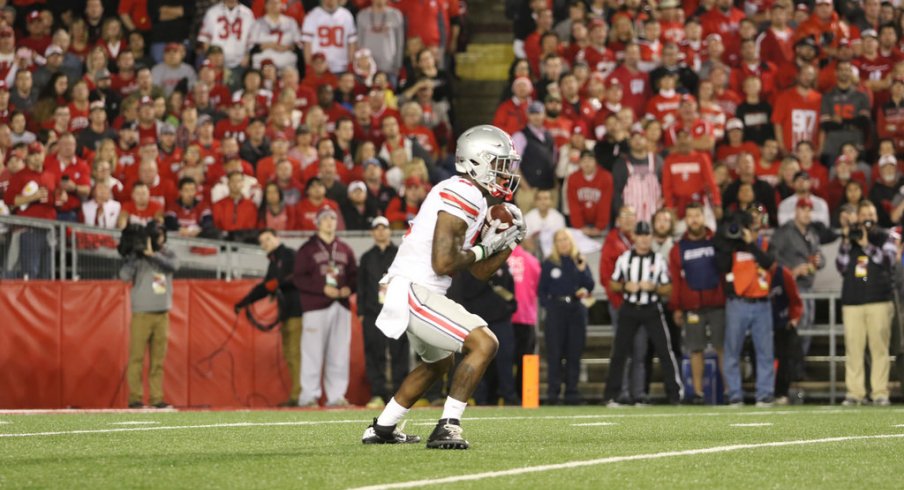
(312, 264)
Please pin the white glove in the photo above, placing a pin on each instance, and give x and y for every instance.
(493, 241)
(518, 221)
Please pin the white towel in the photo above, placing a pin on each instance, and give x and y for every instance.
(393, 319)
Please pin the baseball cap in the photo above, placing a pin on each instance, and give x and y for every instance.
(597, 22)
(324, 212)
(97, 105)
(804, 202)
(302, 129)
(172, 47)
(687, 98)
(146, 100)
(637, 128)
(35, 147)
(714, 37)
(643, 228)
(801, 174)
(356, 186)
(33, 16)
(318, 56)
(266, 62)
(823, 2)
(379, 221)
(52, 50)
(869, 33)
(371, 161)
(205, 119)
(536, 107)
(734, 123)
(613, 82)
(587, 154)
(669, 4)
(888, 160)
(167, 128)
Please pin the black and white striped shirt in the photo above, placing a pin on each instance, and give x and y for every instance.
(631, 267)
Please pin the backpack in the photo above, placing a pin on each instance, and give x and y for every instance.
(642, 191)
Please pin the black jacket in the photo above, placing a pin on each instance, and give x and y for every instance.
(281, 270)
(374, 264)
(725, 249)
(484, 299)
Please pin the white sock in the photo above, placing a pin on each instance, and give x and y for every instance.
(391, 414)
(453, 409)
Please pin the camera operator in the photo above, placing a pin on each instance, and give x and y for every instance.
(865, 260)
(745, 265)
(279, 278)
(149, 266)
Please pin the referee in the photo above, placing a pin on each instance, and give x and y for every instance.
(643, 277)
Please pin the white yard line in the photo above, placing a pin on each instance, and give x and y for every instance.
(423, 421)
(136, 422)
(594, 424)
(619, 459)
(757, 424)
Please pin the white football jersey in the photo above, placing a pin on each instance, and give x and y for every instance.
(330, 34)
(456, 196)
(283, 32)
(229, 29)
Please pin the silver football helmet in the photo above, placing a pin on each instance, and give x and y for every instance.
(487, 155)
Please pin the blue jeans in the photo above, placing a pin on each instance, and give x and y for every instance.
(742, 317)
(34, 254)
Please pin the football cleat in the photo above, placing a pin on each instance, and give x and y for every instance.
(377, 434)
(447, 435)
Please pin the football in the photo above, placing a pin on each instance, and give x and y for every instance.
(500, 212)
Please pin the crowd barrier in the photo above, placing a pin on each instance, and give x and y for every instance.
(65, 344)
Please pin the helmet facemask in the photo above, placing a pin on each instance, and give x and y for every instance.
(501, 178)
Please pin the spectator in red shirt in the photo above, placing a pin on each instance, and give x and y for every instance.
(687, 176)
(734, 144)
(544, 21)
(845, 173)
(663, 107)
(307, 208)
(141, 209)
(284, 178)
(402, 209)
(806, 53)
(636, 83)
(689, 119)
(235, 212)
(319, 73)
(796, 113)
(724, 19)
(589, 192)
(617, 242)
(38, 33)
(72, 175)
(511, 115)
(162, 191)
(775, 44)
(235, 125)
(597, 56)
(332, 109)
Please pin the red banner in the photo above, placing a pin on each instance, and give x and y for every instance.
(65, 344)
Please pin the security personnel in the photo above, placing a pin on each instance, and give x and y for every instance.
(746, 267)
(374, 264)
(643, 276)
(564, 281)
(279, 277)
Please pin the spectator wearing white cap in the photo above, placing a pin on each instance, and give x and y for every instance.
(53, 64)
(358, 211)
(886, 194)
(374, 264)
(326, 275)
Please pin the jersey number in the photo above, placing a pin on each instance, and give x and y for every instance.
(235, 28)
(331, 36)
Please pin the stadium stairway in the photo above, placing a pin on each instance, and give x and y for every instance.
(483, 69)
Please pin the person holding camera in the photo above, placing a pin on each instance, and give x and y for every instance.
(866, 260)
(279, 282)
(564, 281)
(642, 275)
(149, 266)
(745, 265)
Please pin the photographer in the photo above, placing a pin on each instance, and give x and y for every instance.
(149, 266)
(865, 260)
(278, 280)
(745, 265)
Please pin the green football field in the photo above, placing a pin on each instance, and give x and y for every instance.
(550, 448)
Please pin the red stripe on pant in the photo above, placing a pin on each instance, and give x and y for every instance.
(444, 325)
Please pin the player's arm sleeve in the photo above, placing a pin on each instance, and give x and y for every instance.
(461, 201)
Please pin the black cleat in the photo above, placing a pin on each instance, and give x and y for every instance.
(136, 405)
(378, 434)
(447, 435)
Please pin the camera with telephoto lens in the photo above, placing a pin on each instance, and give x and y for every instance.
(134, 239)
(734, 226)
(876, 236)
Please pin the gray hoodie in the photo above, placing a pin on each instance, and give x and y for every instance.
(152, 281)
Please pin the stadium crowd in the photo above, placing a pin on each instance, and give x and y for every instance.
(736, 136)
